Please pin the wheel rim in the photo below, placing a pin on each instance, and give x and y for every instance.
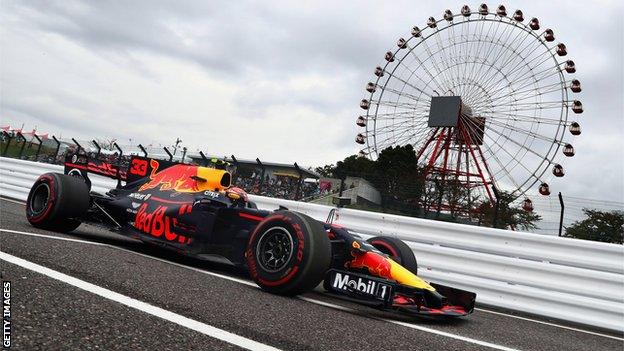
(40, 198)
(274, 249)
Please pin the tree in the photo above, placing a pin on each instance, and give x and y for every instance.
(355, 166)
(326, 171)
(514, 217)
(601, 226)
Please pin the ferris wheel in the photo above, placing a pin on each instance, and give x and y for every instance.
(485, 98)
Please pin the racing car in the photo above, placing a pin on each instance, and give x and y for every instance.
(196, 211)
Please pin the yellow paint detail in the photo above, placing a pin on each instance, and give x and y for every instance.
(355, 245)
(232, 195)
(213, 178)
(405, 277)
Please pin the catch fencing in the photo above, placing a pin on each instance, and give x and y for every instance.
(563, 278)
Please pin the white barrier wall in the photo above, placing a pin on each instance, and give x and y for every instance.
(575, 280)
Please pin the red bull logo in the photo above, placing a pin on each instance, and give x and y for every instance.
(384, 267)
(375, 263)
(176, 178)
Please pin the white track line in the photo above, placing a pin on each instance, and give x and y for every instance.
(192, 324)
(550, 324)
(252, 284)
(140, 305)
(414, 326)
(13, 201)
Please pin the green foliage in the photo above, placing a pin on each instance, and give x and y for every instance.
(601, 226)
(399, 179)
(509, 216)
(326, 171)
(354, 166)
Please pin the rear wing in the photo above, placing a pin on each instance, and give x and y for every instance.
(82, 164)
(121, 169)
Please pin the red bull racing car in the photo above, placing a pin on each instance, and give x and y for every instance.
(195, 211)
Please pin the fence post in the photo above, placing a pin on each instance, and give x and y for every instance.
(204, 158)
(261, 175)
(58, 147)
(9, 137)
(561, 216)
(299, 182)
(19, 134)
(79, 147)
(495, 221)
(235, 173)
(143, 150)
(99, 149)
(38, 147)
(118, 163)
(168, 153)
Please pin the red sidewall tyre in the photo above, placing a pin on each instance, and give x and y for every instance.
(55, 201)
(288, 253)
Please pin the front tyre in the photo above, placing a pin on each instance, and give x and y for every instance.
(397, 249)
(288, 253)
(55, 202)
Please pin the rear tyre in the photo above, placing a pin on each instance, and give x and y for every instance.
(288, 253)
(56, 201)
(397, 250)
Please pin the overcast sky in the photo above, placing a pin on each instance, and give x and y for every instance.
(279, 80)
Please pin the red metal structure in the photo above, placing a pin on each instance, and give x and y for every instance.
(484, 99)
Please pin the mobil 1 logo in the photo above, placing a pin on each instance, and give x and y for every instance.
(355, 284)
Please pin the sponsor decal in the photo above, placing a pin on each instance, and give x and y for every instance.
(158, 224)
(346, 283)
(138, 167)
(211, 194)
(175, 178)
(135, 204)
(375, 263)
(139, 196)
(129, 210)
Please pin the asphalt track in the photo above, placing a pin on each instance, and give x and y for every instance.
(93, 289)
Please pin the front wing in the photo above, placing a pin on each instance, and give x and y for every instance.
(388, 294)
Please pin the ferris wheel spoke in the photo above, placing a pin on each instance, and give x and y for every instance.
(521, 76)
(395, 104)
(513, 57)
(528, 132)
(400, 93)
(433, 56)
(474, 72)
(513, 69)
(403, 114)
(503, 168)
(422, 65)
(513, 157)
(530, 93)
(519, 144)
(491, 47)
(395, 127)
(523, 118)
(392, 75)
